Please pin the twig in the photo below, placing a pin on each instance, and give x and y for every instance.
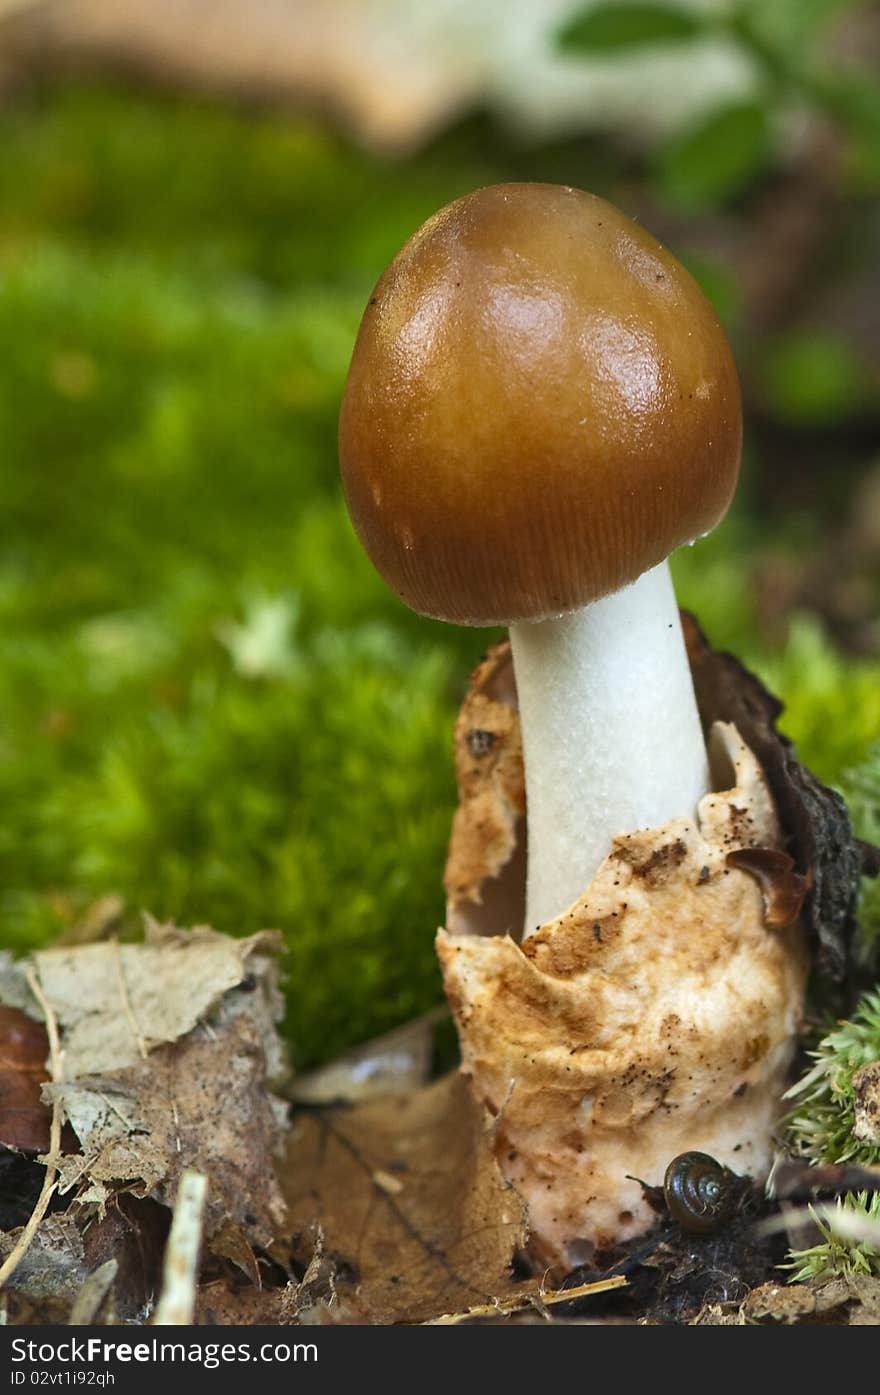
(177, 1300)
(503, 1307)
(93, 1296)
(50, 1181)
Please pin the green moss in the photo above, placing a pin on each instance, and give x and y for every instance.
(820, 1129)
(820, 1126)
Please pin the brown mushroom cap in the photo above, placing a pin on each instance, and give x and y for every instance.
(541, 406)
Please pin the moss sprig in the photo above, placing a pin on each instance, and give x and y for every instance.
(839, 1254)
(820, 1126)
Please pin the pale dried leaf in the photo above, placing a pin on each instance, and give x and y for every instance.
(14, 991)
(115, 1003)
(392, 1064)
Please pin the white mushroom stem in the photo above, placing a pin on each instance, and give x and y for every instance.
(612, 740)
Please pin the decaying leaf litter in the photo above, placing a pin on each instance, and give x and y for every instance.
(167, 1064)
(167, 1072)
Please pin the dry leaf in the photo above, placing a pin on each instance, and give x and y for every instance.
(392, 1064)
(114, 1002)
(132, 1236)
(853, 1300)
(54, 1265)
(311, 1301)
(222, 1303)
(443, 1242)
(168, 1050)
(24, 1047)
(201, 1102)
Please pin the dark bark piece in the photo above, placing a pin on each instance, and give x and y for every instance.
(814, 817)
(870, 858)
(133, 1232)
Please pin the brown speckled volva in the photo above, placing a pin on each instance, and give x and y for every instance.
(541, 405)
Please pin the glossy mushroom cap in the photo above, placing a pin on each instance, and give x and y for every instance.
(541, 406)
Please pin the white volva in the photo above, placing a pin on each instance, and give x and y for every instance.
(611, 735)
(658, 1014)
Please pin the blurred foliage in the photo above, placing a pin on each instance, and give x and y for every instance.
(616, 28)
(705, 164)
(718, 157)
(861, 789)
(210, 703)
(814, 379)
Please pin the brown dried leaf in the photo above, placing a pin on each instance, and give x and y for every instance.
(782, 887)
(200, 1102)
(443, 1239)
(226, 1300)
(24, 1047)
(223, 1304)
(132, 1236)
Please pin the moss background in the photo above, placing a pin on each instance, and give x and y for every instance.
(210, 705)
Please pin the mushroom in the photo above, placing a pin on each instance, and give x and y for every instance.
(541, 407)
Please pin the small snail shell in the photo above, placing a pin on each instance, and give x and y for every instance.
(698, 1193)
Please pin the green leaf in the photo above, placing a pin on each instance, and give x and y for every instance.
(812, 379)
(610, 29)
(715, 160)
(853, 99)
